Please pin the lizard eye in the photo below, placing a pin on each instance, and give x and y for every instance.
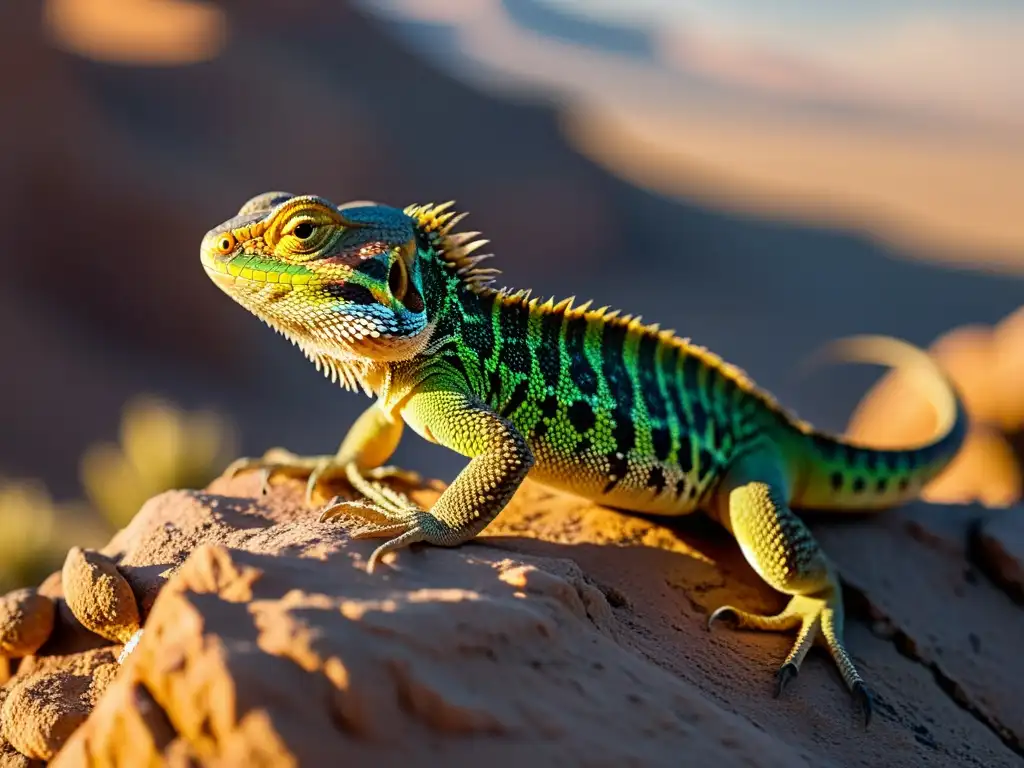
(306, 237)
(226, 243)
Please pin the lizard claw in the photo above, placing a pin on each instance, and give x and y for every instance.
(406, 526)
(784, 675)
(865, 701)
(319, 469)
(339, 507)
(813, 617)
(726, 614)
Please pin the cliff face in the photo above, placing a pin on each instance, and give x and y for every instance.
(568, 634)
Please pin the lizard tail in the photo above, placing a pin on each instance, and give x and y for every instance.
(835, 473)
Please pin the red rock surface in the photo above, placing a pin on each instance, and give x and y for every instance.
(569, 634)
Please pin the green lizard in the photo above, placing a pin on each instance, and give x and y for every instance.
(394, 302)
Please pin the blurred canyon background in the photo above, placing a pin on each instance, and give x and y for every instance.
(761, 180)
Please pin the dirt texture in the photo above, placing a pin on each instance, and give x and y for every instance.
(569, 634)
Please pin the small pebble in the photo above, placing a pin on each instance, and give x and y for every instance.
(99, 596)
(26, 621)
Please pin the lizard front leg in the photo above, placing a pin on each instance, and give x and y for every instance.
(780, 548)
(369, 443)
(500, 459)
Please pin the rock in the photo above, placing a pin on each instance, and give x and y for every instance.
(911, 572)
(98, 595)
(1008, 354)
(40, 711)
(999, 542)
(26, 621)
(12, 758)
(568, 633)
(986, 471)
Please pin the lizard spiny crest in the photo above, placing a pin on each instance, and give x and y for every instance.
(457, 250)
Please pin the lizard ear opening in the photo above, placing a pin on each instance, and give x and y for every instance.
(398, 278)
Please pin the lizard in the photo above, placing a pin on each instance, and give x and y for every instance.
(397, 303)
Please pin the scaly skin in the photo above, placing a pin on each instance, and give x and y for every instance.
(393, 302)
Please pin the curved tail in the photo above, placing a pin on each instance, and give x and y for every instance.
(835, 473)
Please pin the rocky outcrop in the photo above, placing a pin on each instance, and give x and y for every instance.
(568, 634)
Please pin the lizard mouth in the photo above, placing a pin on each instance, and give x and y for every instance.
(252, 276)
(220, 277)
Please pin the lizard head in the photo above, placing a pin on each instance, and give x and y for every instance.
(342, 282)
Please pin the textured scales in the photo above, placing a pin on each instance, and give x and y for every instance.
(400, 305)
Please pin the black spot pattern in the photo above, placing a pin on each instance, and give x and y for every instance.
(656, 480)
(647, 366)
(516, 399)
(620, 387)
(691, 366)
(549, 407)
(618, 466)
(580, 371)
(892, 460)
(676, 413)
(708, 463)
(450, 354)
(548, 356)
(515, 356)
(662, 441)
(699, 422)
(493, 389)
(836, 481)
(727, 389)
(581, 416)
(449, 325)
(513, 320)
(477, 332)
(685, 458)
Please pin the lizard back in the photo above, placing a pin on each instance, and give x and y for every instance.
(613, 409)
(638, 418)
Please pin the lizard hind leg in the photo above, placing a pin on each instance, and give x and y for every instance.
(780, 548)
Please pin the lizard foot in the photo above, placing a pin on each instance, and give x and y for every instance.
(406, 523)
(815, 619)
(318, 469)
(390, 512)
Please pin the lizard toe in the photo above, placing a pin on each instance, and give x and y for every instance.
(725, 614)
(785, 674)
(815, 618)
(865, 700)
